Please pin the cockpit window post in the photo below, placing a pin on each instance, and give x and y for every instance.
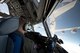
(51, 7)
(46, 29)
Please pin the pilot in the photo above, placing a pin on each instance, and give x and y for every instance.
(28, 46)
(21, 43)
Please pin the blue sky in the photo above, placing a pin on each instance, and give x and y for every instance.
(67, 20)
(70, 19)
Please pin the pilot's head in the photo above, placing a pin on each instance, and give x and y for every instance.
(22, 20)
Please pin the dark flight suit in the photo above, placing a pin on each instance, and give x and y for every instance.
(29, 46)
(22, 44)
(17, 38)
(38, 40)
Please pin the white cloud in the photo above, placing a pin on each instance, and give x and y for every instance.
(71, 47)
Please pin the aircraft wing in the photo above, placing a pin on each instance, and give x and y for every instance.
(63, 9)
(58, 12)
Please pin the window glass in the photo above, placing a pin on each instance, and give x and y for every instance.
(39, 28)
(4, 8)
(65, 22)
(38, 1)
